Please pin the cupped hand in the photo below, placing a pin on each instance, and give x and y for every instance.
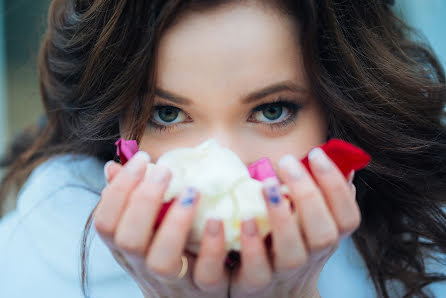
(125, 218)
(325, 211)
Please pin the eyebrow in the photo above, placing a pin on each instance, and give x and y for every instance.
(246, 99)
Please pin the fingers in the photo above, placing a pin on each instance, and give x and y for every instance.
(115, 194)
(209, 272)
(337, 193)
(288, 247)
(164, 257)
(135, 229)
(135, 201)
(318, 227)
(255, 271)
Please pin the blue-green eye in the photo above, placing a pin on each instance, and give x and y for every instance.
(280, 112)
(277, 114)
(167, 115)
(271, 112)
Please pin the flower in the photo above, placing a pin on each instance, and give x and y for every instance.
(229, 190)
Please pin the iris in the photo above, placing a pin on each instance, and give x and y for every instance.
(273, 111)
(168, 113)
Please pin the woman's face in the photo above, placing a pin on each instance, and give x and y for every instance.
(234, 74)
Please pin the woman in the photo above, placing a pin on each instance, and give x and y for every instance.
(265, 78)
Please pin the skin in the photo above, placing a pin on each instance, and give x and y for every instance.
(215, 74)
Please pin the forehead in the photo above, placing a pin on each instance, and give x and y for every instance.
(228, 51)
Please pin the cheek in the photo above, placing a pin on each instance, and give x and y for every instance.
(158, 144)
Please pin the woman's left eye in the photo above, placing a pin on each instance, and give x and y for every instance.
(272, 113)
(280, 113)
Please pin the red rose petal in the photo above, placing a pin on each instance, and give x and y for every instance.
(126, 149)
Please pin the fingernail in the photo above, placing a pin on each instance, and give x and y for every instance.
(272, 191)
(249, 227)
(318, 158)
(159, 174)
(213, 227)
(293, 167)
(107, 176)
(138, 161)
(350, 177)
(188, 197)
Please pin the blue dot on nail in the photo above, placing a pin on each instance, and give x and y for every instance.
(187, 202)
(274, 199)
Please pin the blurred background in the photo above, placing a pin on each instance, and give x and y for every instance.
(22, 24)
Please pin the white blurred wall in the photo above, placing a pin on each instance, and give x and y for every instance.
(429, 16)
(3, 114)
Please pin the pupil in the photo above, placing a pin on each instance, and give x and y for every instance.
(273, 112)
(168, 114)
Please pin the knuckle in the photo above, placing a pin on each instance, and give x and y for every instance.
(114, 190)
(291, 242)
(214, 251)
(339, 188)
(285, 218)
(259, 281)
(305, 191)
(104, 225)
(351, 223)
(121, 187)
(124, 184)
(294, 261)
(130, 247)
(146, 188)
(161, 269)
(299, 260)
(324, 241)
(182, 220)
(207, 283)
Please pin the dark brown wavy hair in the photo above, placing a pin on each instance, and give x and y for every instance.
(381, 90)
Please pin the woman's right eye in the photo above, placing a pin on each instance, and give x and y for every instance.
(165, 118)
(166, 115)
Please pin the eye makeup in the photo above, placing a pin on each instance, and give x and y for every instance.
(160, 112)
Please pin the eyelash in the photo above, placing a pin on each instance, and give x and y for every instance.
(292, 107)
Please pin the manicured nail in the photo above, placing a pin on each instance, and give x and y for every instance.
(350, 177)
(272, 191)
(213, 227)
(107, 176)
(188, 197)
(138, 161)
(293, 167)
(318, 158)
(249, 227)
(159, 174)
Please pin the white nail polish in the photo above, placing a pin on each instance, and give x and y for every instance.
(107, 164)
(292, 166)
(350, 177)
(318, 157)
(138, 161)
(159, 174)
(143, 155)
